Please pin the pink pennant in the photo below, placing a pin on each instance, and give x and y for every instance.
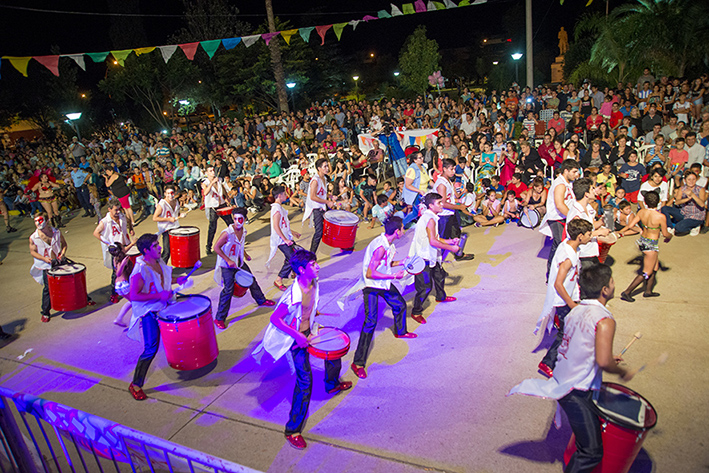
(321, 31)
(267, 37)
(189, 49)
(369, 17)
(50, 62)
(420, 6)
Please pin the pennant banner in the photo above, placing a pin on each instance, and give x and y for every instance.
(167, 51)
(50, 62)
(250, 40)
(383, 14)
(230, 43)
(354, 24)
(305, 33)
(19, 63)
(395, 10)
(337, 28)
(408, 9)
(267, 37)
(79, 59)
(287, 35)
(140, 51)
(369, 17)
(321, 31)
(120, 56)
(98, 57)
(189, 49)
(210, 47)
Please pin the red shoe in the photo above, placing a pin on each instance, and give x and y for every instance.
(115, 298)
(137, 392)
(359, 371)
(557, 323)
(45, 318)
(90, 303)
(268, 303)
(279, 286)
(296, 441)
(448, 299)
(418, 318)
(220, 324)
(406, 335)
(343, 386)
(544, 368)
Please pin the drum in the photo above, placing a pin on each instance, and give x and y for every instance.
(340, 229)
(604, 246)
(242, 282)
(67, 287)
(187, 332)
(329, 344)
(626, 417)
(184, 246)
(224, 211)
(133, 254)
(414, 264)
(530, 218)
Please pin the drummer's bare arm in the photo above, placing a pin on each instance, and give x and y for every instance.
(442, 244)
(561, 206)
(98, 230)
(158, 218)
(63, 246)
(564, 269)
(605, 331)
(35, 254)
(377, 257)
(277, 319)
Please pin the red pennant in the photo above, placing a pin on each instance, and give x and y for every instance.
(321, 31)
(189, 49)
(50, 62)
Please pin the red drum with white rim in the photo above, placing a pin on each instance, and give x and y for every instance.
(340, 229)
(330, 343)
(224, 211)
(67, 287)
(625, 417)
(133, 254)
(242, 282)
(184, 246)
(604, 246)
(187, 332)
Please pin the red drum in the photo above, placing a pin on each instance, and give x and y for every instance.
(242, 282)
(329, 344)
(340, 229)
(604, 246)
(67, 287)
(224, 211)
(626, 417)
(133, 254)
(184, 246)
(187, 332)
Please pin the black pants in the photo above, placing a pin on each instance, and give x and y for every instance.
(371, 311)
(46, 301)
(586, 426)
(287, 251)
(165, 246)
(151, 342)
(82, 193)
(423, 282)
(212, 217)
(557, 232)
(113, 276)
(550, 357)
(304, 385)
(227, 293)
(318, 217)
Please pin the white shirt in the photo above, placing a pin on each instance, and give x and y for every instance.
(663, 189)
(384, 265)
(590, 249)
(553, 299)
(421, 246)
(233, 248)
(113, 232)
(310, 204)
(50, 251)
(167, 212)
(696, 154)
(552, 212)
(152, 284)
(214, 197)
(283, 224)
(448, 196)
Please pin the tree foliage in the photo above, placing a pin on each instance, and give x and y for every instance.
(418, 59)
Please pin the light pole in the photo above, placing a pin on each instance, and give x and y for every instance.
(517, 57)
(356, 79)
(291, 86)
(71, 117)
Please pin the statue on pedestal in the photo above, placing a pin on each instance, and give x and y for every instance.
(563, 41)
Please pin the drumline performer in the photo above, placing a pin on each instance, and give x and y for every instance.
(587, 351)
(448, 222)
(585, 192)
(316, 202)
(150, 291)
(377, 275)
(214, 198)
(124, 268)
(167, 214)
(113, 228)
(281, 235)
(232, 257)
(290, 328)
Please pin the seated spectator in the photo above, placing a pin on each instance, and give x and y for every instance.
(517, 186)
(687, 215)
(623, 215)
(491, 211)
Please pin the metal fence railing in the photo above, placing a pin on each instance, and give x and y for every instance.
(37, 435)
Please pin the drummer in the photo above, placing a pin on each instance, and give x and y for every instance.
(150, 291)
(377, 274)
(585, 192)
(289, 331)
(448, 221)
(281, 235)
(316, 202)
(113, 228)
(48, 247)
(587, 351)
(214, 197)
(167, 213)
(232, 257)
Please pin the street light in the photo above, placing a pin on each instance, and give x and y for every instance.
(517, 57)
(356, 79)
(70, 120)
(495, 63)
(291, 85)
(396, 74)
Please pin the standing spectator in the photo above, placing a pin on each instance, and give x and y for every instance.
(81, 178)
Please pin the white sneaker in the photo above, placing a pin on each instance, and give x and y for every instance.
(671, 230)
(695, 231)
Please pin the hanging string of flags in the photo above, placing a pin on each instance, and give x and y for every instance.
(210, 47)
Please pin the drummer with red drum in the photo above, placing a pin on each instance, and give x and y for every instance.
(232, 257)
(113, 228)
(167, 213)
(214, 198)
(316, 202)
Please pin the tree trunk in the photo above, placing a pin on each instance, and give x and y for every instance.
(276, 61)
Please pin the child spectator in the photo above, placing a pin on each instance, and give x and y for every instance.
(516, 185)
(618, 198)
(368, 186)
(95, 201)
(460, 172)
(468, 198)
(632, 173)
(608, 179)
(490, 214)
(678, 161)
(623, 216)
(496, 186)
(510, 211)
(382, 211)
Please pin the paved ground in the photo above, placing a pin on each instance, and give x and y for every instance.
(434, 403)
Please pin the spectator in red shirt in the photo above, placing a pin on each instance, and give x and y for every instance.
(545, 149)
(616, 117)
(516, 185)
(557, 123)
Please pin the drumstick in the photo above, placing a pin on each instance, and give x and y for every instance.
(197, 265)
(637, 336)
(661, 360)
(326, 339)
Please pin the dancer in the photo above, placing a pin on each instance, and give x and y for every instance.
(214, 198)
(167, 213)
(281, 235)
(150, 291)
(587, 352)
(377, 275)
(292, 324)
(448, 221)
(428, 246)
(119, 189)
(316, 202)
(45, 191)
(113, 228)
(563, 294)
(5, 213)
(231, 258)
(654, 223)
(124, 268)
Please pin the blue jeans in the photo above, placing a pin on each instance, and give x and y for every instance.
(678, 221)
(414, 214)
(371, 311)
(399, 167)
(151, 342)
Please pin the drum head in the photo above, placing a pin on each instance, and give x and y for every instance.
(67, 269)
(244, 278)
(184, 231)
(341, 217)
(623, 406)
(133, 251)
(609, 239)
(330, 339)
(414, 264)
(529, 219)
(185, 309)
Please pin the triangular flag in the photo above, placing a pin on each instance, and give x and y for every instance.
(305, 33)
(395, 10)
(354, 24)
(121, 55)
(98, 57)
(430, 6)
(267, 37)
(189, 49)
(479, 2)
(20, 63)
(210, 47)
(167, 51)
(50, 62)
(322, 29)
(287, 35)
(383, 14)
(369, 17)
(250, 40)
(439, 5)
(420, 6)
(408, 8)
(230, 43)
(79, 59)
(139, 51)
(338, 27)
(450, 4)
(464, 3)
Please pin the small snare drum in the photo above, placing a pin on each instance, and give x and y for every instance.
(530, 218)
(414, 264)
(329, 344)
(242, 282)
(224, 211)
